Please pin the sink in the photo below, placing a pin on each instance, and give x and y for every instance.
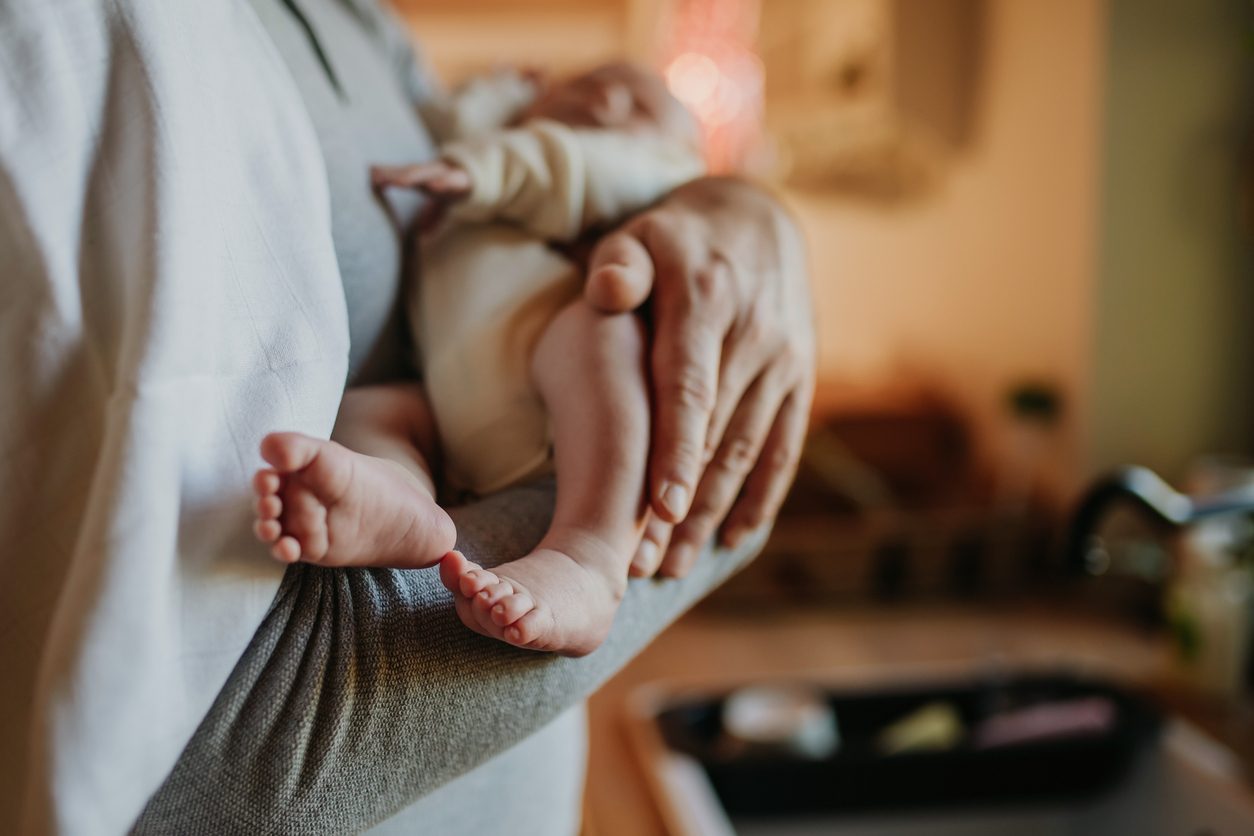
(1174, 782)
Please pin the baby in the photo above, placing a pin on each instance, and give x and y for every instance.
(521, 376)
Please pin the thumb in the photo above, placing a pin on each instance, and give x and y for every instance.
(620, 274)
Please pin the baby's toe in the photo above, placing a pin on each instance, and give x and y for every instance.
(266, 481)
(511, 608)
(269, 507)
(488, 597)
(306, 518)
(531, 630)
(475, 581)
(267, 531)
(452, 566)
(289, 452)
(287, 550)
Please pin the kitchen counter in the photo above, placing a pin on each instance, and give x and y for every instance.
(862, 646)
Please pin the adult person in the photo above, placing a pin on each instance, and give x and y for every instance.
(191, 259)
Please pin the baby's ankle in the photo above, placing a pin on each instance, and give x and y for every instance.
(594, 552)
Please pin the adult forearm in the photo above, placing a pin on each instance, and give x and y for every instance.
(362, 692)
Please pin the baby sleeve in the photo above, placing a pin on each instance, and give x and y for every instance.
(558, 182)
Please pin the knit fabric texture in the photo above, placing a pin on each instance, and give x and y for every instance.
(361, 691)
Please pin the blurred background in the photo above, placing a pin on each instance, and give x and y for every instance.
(1030, 231)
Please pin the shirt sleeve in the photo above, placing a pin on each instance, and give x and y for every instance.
(558, 182)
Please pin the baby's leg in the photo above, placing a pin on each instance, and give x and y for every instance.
(373, 505)
(589, 369)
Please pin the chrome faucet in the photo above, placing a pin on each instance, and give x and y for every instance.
(1145, 491)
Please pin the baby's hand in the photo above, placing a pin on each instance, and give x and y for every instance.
(440, 180)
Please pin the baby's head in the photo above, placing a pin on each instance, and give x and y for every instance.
(618, 96)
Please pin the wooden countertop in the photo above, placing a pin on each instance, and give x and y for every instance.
(865, 645)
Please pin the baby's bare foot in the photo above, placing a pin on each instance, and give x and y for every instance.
(325, 504)
(560, 598)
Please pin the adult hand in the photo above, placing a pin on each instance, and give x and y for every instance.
(732, 361)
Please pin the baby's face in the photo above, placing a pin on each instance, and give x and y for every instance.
(618, 97)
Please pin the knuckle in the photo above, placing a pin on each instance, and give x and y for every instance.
(691, 389)
(795, 359)
(698, 528)
(739, 454)
(780, 460)
(680, 226)
(650, 225)
(706, 286)
(707, 276)
(662, 228)
(685, 455)
(756, 330)
(791, 356)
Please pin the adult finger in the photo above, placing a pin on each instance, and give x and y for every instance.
(692, 315)
(648, 557)
(767, 485)
(734, 459)
(746, 352)
(620, 273)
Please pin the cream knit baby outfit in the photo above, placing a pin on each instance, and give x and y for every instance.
(491, 281)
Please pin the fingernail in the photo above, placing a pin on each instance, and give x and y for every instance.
(674, 498)
(646, 558)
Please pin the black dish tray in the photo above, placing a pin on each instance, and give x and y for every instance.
(859, 778)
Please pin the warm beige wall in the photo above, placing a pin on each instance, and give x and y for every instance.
(1174, 359)
(989, 279)
(460, 38)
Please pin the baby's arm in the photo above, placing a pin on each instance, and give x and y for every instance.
(554, 181)
(558, 182)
